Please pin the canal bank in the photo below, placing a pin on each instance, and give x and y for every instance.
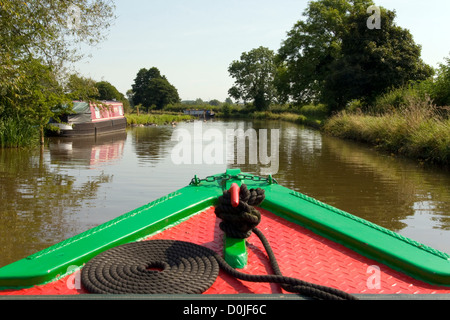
(77, 184)
(420, 131)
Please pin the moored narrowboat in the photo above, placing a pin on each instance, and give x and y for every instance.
(89, 119)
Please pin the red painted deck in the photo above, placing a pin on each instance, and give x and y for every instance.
(300, 253)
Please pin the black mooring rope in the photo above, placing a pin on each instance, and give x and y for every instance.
(177, 267)
(240, 222)
(152, 267)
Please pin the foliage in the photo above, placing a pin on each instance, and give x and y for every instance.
(435, 88)
(86, 89)
(372, 61)
(81, 88)
(16, 132)
(155, 119)
(152, 90)
(39, 39)
(398, 98)
(417, 130)
(254, 77)
(439, 87)
(215, 102)
(36, 98)
(50, 29)
(107, 92)
(311, 45)
(333, 57)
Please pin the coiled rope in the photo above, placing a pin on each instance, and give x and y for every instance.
(152, 267)
(177, 267)
(239, 222)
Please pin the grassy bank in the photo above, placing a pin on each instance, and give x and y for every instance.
(310, 115)
(418, 130)
(155, 119)
(414, 128)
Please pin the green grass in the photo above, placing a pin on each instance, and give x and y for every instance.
(414, 127)
(418, 130)
(155, 119)
(311, 121)
(16, 133)
(310, 115)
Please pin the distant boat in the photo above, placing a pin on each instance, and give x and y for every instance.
(202, 114)
(92, 119)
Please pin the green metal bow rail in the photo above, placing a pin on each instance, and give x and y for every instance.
(400, 253)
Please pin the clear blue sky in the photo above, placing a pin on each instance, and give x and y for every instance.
(192, 42)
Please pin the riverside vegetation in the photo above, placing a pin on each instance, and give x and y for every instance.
(331, 72)
(417, 130)
(402, 122)
(155, 119)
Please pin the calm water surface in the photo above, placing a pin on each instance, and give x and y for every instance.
(77, 184)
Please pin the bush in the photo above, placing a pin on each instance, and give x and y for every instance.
(437, 88)
(400, 97)
(15, 133)
(319, 110)
(440, 87)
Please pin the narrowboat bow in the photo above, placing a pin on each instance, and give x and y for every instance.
(234, 233)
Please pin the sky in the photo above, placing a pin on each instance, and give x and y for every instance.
(193, 42)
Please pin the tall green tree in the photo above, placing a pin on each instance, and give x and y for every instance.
(36, 98)
(311, 45)
(332, 55)
(50, 31)
(81, 88)
(254, 76)
(372, 61)
(106, 91)
(151, 89)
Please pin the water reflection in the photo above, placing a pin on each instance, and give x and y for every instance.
(77, 184)
(89, 151)
(39, 202)
(407, 188)
(225, 144)
(396, 193)
(305, 145)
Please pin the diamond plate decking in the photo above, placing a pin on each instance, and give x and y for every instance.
(300, 253)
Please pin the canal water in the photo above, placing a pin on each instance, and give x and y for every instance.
(73, 185)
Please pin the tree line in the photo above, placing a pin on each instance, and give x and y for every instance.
(338, 54)
(152, 91)
(330, 56)
(333, 56)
